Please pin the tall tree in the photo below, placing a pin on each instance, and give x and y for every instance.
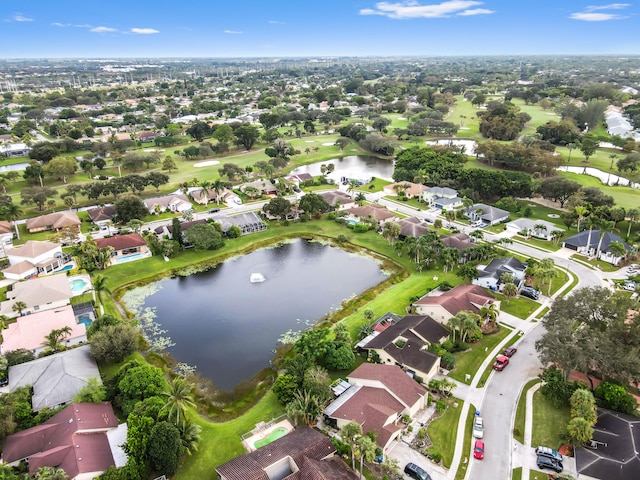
(178, 399)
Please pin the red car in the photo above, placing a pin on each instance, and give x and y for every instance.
(501, 362)
(509, 351)
(478, 450)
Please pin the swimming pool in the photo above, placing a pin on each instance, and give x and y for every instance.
(275, 434)
(128, 257)
(78, 285)
(66, 268)
(351, 221)
(85, 319)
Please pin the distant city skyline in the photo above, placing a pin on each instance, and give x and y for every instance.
(286, 28)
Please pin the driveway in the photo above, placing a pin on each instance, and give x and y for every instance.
(405, 454)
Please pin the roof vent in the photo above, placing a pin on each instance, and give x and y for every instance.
(71, 420)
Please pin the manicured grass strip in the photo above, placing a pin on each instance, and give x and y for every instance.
(542, 313)
(521, 410)
(442, 431)
(221, 441)
(516, 473)
(538, 475)
(572, 285)
(520, 307)
(548, 422)
(489, 369)
(466, 448)
(468, 362)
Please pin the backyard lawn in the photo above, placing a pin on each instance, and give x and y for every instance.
(549, 422)
(467, 362)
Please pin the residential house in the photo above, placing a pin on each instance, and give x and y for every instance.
(412, 227)
(75, 439)
(52, 221)
(406, 344)
(249, 222)
(377, 399)
(302, 454)
(29, 331)
(166, 231)
(35, 258)
(338, 200)
(299, 178)
(125, 247)
(102, 216)
(410, 189)
(612, 452)
(442, 305)
(461, 242)
(534, 228)
(6, 232)
(263, 186)
(55, 379)
(211, 196)
(374, 212)
(486, 214)
(15, 150)
(490, 275)
(443, 198)
(175, 202)
(147, 136)
(38, 294)
(586, 243)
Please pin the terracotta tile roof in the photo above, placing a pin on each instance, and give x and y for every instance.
(335, 197)
(74, 439)
(332, 468)
(19, 268)
(462, 297)
(411, 228)
(56, 221)
(5, 227)
(377, 212)
(461, 241)
(120, 242)
(393, 378)
(300, 443)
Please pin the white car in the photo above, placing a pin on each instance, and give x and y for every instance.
(478, 427)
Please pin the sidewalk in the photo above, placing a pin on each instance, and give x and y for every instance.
(525, 451)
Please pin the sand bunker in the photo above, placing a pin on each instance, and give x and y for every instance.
(208, 163)
(328, 144)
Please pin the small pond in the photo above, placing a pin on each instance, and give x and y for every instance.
(355, 166)
(228, 327)
(14, 166)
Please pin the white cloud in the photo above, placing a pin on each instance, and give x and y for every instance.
(475, 11)
(593, 13)
(21, 18)
(413, 9)
(61, 25)
(144, 31)
(102, 30)
(232, 32)
(611, 6)
(276, 22)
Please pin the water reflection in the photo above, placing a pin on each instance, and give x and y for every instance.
(356, 166)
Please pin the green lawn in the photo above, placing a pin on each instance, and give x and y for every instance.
(598, 264)
(520, 307)
(521, 411)
(626, 197)
(539, 116)
(516, 474)
(466, 449)
(465, 116)
(548, 422)
(468, 362)
(221, 441)
(539, 243)
(442, 431)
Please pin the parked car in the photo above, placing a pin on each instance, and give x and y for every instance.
(296, 189)
(549, 463)
(237, 201)
(509, 351)
(478, 450)
(530, 293)
(214, 210)
(500, 363)
(549, 452)
(478, 427)
(630, 286)
(414, 471)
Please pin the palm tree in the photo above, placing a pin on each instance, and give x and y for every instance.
(349, 434)
(632, 214)
(509, 291)
(178, 398)
(367, 449)
(450, 258)
(454, 323)
(304, 406)
(390, 231)
(571, 147)
(218, 186)
(579, 431)
(582, 212)
(99, 286)
(189, 438)
(12, 212)
(205, 187)
(556, 235)
(53, 340)
(489, 313)
(19, 306)
(605, 226)
(477, 235)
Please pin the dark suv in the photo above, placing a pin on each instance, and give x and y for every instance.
(550, 463)
(414, 471)
(530, 293)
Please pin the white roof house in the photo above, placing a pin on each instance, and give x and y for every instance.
(534, 228)
(42, 293)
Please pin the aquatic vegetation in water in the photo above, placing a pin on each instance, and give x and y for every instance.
(146, 316)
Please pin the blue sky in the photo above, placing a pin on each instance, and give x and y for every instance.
(279, 28)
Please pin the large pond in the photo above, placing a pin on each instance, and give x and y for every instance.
(13, 166)
(355, 166)
(228, 327)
